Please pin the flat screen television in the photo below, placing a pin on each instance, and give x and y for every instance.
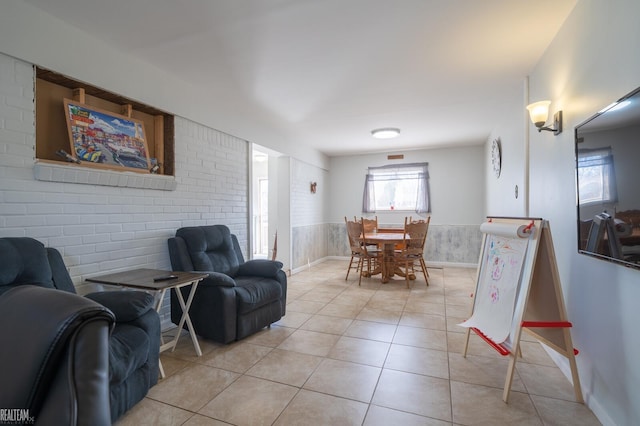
(608, 182)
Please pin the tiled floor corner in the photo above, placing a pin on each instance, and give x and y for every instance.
(375, 354)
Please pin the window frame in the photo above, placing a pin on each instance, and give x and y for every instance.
(410, 171)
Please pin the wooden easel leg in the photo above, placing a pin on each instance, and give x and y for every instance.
(509, 380)
(576, 380)
(466, 342)
(577, 389)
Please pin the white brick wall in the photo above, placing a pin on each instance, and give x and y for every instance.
(101, 229)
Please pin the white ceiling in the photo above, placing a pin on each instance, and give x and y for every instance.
(327, 72)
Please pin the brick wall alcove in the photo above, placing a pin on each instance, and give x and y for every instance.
(52, 135)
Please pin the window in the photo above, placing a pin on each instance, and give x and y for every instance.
(596, 175)
(397, 187)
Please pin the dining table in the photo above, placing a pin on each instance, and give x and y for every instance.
(388, 239)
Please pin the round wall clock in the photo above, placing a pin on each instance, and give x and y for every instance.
(496, 157)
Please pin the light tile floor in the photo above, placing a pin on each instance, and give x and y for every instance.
(378, 354)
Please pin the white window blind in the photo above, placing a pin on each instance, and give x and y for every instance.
(402, 187)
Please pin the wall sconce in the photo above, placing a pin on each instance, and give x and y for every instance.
(539, 112)
(314, 187)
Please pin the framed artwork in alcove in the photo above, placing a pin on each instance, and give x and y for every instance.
(105, 139)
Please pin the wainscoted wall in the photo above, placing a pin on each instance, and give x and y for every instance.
(309, 244)
(308, 214)
(337, 243)
(452, 244)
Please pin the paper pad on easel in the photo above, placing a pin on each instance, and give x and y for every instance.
(497, 287)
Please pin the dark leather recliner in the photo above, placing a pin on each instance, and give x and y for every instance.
(133, 343)
(54, 364)
(238, 298)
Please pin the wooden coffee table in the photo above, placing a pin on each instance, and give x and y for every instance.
(160, 281)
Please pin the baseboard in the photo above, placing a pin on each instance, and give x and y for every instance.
(589, 400)
(434, 265)
(440, 265)
(310, 264)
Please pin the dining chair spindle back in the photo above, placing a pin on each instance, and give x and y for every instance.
(415, 236)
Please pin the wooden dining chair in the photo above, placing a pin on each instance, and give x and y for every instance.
(364, 255)
(370, 225)
(415, 237)
(354, 245)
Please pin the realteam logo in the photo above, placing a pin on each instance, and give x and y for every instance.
(13, 416)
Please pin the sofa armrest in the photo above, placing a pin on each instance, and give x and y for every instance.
(217, 279)
(135, 308)
(127, 306)
(260, 268)
(47, 327)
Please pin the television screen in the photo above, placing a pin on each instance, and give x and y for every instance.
(608, 182)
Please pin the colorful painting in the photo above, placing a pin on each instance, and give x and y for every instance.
(106, 139)
(498, 286)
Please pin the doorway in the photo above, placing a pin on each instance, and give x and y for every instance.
(260, 203)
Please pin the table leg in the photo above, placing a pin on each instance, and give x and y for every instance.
(391, 268)
(158, 307)
(388, 261)
(185, 316)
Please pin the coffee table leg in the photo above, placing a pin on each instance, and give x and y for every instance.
(185, 316)
(158, 307)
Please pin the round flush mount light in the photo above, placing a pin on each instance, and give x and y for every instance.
(385, 133)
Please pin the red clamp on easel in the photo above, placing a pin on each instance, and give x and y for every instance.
(527, 228)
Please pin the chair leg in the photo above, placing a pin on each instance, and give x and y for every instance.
(425, 272)
(406, 271)
(360, 262)
(349, 268)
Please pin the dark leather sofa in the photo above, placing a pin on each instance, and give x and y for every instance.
(238, 298)
(71, 359)
(43, 364)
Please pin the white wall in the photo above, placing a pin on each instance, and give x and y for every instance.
(308, 213)
(33, 37)
(29, 34)
(308, 208)
(593, 61)
(456, 183)
(501, 199)
(100, 229)
(283, 221)
(456, 179)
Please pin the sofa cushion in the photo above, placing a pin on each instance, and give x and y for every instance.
(253, 293)
(125, 305)
(210, 248)
(128, 351)
(24, 261)
(260, 268)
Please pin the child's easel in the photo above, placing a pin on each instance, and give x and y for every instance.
(539, 308)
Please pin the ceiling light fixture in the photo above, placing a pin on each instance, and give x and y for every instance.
(539, 112)
(385, 133)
